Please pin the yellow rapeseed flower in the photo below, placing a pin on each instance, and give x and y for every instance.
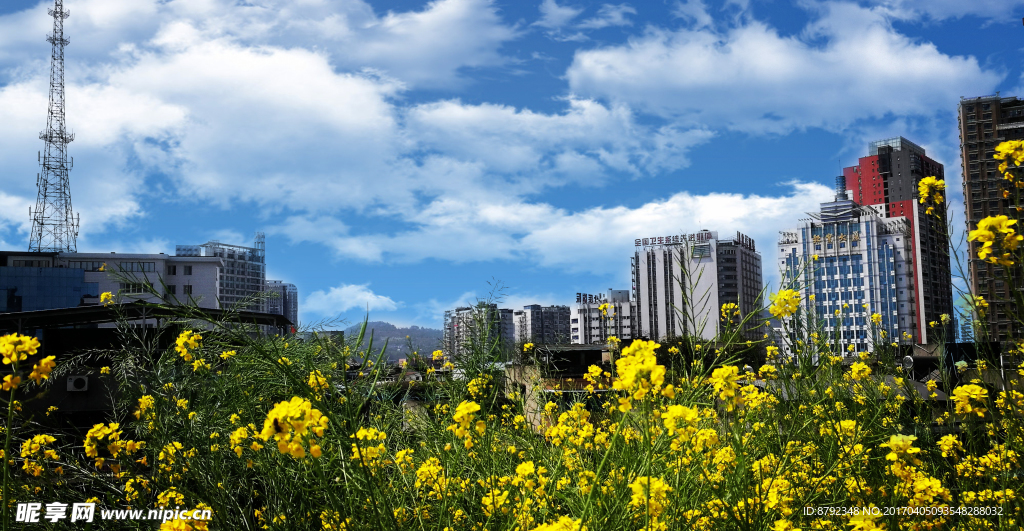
(931, 189)
(725, 379)
(11, 382)
(967, 397)
(638, 370)
(1012, 150)
(949, 444)
(42, 369)
(317, 381)
(146, 403)
(859, 371)
(16, 347)
(292, 423)
(650, 495)
(187, 340)
(902, 449)
(564, 523)
(989, 232)
(784, 303)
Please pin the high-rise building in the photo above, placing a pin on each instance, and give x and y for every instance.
(681, 281)
(984, 123)
(887, 179)
(863, 266)
(244, 274)
(291, 307)
(284, 300)
(590, 325)
(542, 325)
(482, 325)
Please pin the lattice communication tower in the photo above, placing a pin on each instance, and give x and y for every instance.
(54, 225)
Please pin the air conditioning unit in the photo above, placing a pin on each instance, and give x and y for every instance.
(78, 383)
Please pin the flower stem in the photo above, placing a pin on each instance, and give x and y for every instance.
(7, 458)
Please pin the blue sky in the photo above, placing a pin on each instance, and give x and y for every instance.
(402, 155)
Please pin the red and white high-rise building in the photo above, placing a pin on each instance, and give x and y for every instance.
(886, 179)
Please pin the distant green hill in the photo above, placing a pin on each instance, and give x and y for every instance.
(424, 340)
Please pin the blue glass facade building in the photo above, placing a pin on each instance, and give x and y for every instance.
(863, 267)
(26, 289)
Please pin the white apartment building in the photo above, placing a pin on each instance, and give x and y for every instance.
(244, 273)
(863, 259)
(680, 282)
(482, 324)
(174, 279)
(542, 325)
(589, 325)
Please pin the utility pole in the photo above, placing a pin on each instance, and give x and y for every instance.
(54, 225)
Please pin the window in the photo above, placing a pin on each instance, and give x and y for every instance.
(137, 267)
(187, 270)
(31, 263)
(136, 287)
(172, 270)
(187, 289)
(88, 266)
(172, 290)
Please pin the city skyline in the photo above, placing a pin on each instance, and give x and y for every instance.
(401, 155)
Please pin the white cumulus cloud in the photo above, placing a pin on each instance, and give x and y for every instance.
(849, 64)
(346, 297)
(610, 15)
(595, 240)
(554, 16)
(996, 10)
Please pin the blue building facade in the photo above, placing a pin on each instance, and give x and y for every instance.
(863, 267)
(26, 289)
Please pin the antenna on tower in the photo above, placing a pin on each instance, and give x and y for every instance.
(54, 225)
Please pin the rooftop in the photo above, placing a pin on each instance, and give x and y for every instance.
(898, 143)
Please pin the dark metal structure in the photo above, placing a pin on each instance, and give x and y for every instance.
(54, 225)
